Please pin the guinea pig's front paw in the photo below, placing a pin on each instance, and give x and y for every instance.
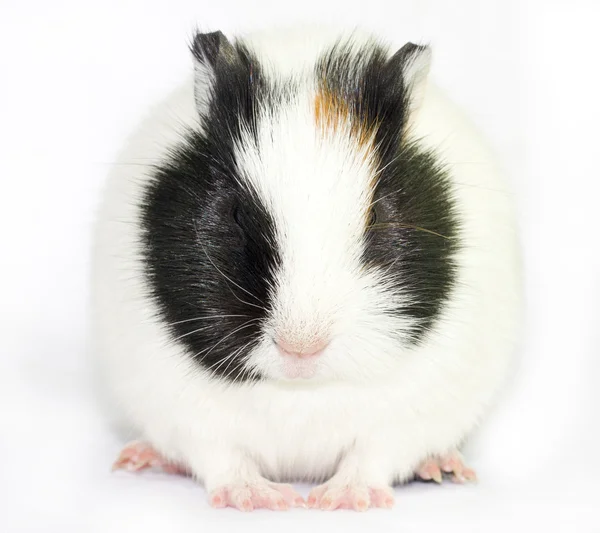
(451, 463)
(247, 496)
(358, 496)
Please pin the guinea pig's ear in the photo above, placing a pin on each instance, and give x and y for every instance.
(208, 50)
(413, 61)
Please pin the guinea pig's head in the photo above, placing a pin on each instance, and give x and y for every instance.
(296, 233)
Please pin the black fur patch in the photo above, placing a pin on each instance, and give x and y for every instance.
(415, 229)
(415, 234)
(209, 242)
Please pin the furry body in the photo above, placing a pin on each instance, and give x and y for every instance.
(398, 382)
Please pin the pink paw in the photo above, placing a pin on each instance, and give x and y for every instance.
(451, 463)
(256, 495)
(331, 496)
(138, 456)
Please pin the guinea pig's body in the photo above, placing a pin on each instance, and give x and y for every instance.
(305, 267)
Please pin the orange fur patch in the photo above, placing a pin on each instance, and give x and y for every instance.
(334, 115)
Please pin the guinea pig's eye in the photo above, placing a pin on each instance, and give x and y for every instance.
(240, 217)
(237, 215)
(372, 217)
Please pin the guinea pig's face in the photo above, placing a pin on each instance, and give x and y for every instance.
(295, 235)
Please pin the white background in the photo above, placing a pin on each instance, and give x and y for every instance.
(74, 79)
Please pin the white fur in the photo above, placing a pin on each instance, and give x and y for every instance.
(380, 407)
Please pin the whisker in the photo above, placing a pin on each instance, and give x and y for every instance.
(391, 162)
(247, 371)
(204, 318)
(243, 326)
(419, 228)
(244, 301)
(203, 328)
(383, 198)
(214, 367)
(231, 359)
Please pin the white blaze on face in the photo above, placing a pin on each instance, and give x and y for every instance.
(315, 170)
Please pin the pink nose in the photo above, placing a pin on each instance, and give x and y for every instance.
(310, 349)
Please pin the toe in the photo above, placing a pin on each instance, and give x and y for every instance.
(430, 471)
(269, 498)
(359, 498)
(291, 497)
(469, 474)
(240, 497)
(218, 498)
(328, 502)
(464, 475)
(360, 504)
(315, 495)
(382, 497)
(451, 463)
(333, 498)
(133, 461)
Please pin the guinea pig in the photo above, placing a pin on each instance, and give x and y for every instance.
(306, 268)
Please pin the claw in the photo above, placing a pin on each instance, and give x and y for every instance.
(452, 463)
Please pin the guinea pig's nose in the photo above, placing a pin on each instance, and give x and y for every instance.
(301, 350)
